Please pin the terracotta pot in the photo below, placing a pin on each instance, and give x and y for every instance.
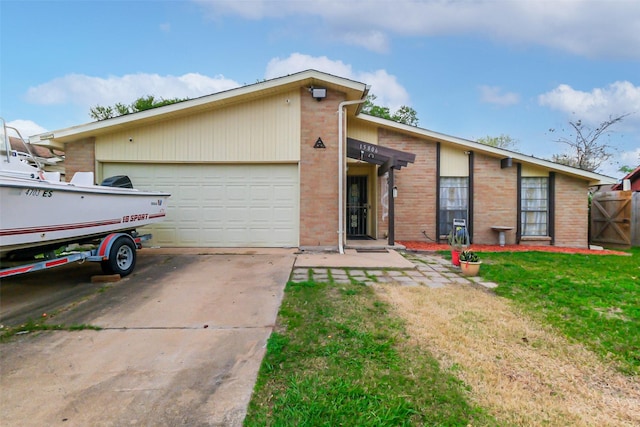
(470, 268)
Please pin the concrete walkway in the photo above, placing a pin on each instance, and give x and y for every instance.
(381, 266)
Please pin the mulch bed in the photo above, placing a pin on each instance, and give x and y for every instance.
(433, 247)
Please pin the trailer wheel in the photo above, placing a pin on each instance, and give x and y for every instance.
(122, 257)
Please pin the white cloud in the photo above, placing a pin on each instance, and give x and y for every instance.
(630, 158)
(389, 92)
(592, 28)
(89, 91)
(495, 95)
(26, 128)
(625, 158)
(616, 99)
(373, 40)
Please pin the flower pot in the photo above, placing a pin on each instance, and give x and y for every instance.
(455, 257)
(470, 268)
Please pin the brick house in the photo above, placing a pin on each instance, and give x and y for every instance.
(291, 162)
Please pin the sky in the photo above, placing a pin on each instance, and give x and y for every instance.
(469, 68)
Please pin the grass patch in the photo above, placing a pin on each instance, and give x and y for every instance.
(31, 325)
(594, 299)
(339, 358)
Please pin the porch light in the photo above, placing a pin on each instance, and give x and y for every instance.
(318, 93)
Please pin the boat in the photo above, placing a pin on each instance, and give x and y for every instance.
(39, 212)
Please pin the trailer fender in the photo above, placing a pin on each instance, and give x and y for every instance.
(105, 245)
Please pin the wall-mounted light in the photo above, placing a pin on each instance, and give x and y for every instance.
(395, 191)
(318, 93)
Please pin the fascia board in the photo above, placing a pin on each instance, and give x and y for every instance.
(592, 177)
(58, 137)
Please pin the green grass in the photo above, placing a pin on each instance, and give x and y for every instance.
(31, 325)
(593, 299)
(339, 358)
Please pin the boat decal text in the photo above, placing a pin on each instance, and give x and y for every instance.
(133, 218)
(37, 192)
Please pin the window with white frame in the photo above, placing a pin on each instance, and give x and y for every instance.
(534, 206)
(454, 202)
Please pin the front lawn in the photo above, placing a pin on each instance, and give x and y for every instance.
(594, 299)
(339, 358)
(340, 355)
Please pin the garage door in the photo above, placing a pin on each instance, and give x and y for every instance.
(221, 205)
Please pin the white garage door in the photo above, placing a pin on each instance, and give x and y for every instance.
(221, 205)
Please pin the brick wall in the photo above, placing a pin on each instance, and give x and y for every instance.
(572, 212)
(495, 199)
(319, 170)
(415, 206)
(80, 156)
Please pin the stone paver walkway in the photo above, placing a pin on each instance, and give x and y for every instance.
(430, 270)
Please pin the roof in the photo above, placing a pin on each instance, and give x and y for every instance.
(632, 176)
(353, 90)
(592, 177)
(19, 145)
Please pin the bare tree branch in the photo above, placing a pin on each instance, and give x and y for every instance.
(586, 151)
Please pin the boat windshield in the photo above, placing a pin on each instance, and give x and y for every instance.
(4, 146)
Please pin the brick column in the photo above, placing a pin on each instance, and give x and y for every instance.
(495, 200)
(80, 156)
(572, 212)
(319, 170)
(415, 206)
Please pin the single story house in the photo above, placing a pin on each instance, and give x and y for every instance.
(292, 162)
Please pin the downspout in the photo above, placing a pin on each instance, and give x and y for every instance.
(341, 172)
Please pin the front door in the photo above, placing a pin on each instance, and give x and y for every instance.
(356, 206)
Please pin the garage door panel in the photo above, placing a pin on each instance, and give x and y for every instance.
(221, 205)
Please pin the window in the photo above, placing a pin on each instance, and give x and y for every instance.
(454, 202)
(534, 206)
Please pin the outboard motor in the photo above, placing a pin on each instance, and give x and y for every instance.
(120, 181)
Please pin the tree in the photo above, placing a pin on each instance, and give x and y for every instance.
(144, 103)
(625, 169)
(586, 151)
(502, 141)
(406, 115)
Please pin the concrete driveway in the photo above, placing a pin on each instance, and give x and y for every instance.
(182, 343)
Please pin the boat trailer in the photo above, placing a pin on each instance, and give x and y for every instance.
(116, 254)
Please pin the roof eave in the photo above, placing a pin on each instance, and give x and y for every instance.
(353, 90)
(592, 177)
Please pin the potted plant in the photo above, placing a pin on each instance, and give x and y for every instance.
(469, 263)
(457, 239)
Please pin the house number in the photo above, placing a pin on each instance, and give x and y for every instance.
(369, 148)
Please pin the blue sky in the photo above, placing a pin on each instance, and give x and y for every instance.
(469, 68)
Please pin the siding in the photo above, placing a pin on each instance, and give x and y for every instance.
(362, 131)
(532, 171)
(453, 162)
(263, 130)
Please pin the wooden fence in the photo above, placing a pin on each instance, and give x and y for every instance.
(615, 219)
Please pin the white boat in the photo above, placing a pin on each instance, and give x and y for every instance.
(38, 211)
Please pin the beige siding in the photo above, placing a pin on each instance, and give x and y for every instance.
(453, 162)
(263, 130)
(363, 132)
(532, 171)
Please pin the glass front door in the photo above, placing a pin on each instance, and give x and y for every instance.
(357, 207)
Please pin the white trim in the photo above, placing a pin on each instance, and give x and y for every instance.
(313, 76)
(592, 177)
